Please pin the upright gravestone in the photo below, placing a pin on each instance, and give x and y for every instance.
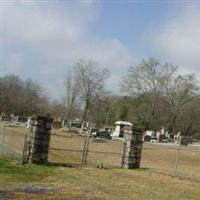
(40, 139)
(1, 116)
(14, 119)
(132, 148)
(5, 118)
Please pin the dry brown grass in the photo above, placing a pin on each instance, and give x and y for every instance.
(160, 157)
(163, 158)
(114, 183)
(83, 183)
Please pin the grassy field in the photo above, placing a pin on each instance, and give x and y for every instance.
(50, 182)
(58, 182)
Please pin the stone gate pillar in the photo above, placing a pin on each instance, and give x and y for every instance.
(40, 139)
(132, 148)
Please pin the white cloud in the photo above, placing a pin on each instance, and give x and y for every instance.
(59, 35)
(15, 63)
(39, 24)
(178, 40)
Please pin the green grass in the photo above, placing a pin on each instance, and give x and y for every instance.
(7, 152)
(12, 172)
(91, 183)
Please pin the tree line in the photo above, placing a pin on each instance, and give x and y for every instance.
(152, 95)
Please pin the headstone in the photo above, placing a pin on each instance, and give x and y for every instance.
(57, 124)
(85, 126)
(14, 118)
(29, 120)
(22, 119)
(5, 118)
(184, 140)
(132, 147)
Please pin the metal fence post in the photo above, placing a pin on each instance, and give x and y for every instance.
(2, 137)
(86, 149)
(177, 160)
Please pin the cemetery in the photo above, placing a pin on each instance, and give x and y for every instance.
(99, 100)
(39, 144)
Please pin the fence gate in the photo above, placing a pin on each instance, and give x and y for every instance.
(69, 147)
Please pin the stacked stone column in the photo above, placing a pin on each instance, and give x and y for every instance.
(132, 148)
(40, 139)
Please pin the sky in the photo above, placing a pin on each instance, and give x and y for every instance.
(43, 39)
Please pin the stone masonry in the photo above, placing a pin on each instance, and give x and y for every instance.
(132, 148)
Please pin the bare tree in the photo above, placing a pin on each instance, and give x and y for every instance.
(180, 91)
(100, 107)
(162, 96)
(146, 83)
(72, 90)
(90, 81)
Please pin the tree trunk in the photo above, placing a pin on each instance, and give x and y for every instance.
(85, 113)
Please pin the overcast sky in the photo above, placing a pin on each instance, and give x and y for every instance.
(43, 39)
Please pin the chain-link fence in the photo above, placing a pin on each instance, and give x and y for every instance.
(66, 149)
(12, 141)
(107, 152)
(74, 150)
(175, 160)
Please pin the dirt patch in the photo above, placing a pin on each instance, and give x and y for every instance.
(35, 190)
(26, 192)
(6, 195)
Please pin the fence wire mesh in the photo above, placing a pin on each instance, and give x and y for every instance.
(12, 141)
(175, 160)
(182, 161)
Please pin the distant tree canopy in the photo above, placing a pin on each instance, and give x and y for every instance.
(162, 97)
(121, 109)
(21, 97)
(155, 96)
